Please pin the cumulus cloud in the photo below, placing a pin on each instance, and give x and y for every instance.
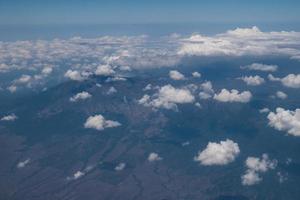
(120, 166)
(79, 174)
(167, 97)
(11, 117)
(23, 79)
(233, 96)
(207, 90)
(264, 110)
(285, 120)
(74, 75)
(104, 70)
(154, 157)
(99, 123)
(176, 75)
(147, 87)
(291, 80)
(256, 166)
(196, 74)
(253, 80)
(12, 88)
(23, 164)
(221, 153)
(111, 90)
(261, 67)
(281, 95)
(80, 96)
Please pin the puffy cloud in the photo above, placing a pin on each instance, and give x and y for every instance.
(80, 174)
(196, 74)
(242, 42)
(167, 97)
(99, 123)
(74, 75)
(147, 87)
(47, 70)
(154, 157)
(80, 96)
(264, 110)
(11, 117)
(104, 70)
(23, 79)
(255, 166)
(120, 166)
(111, 90)
(208, 90)
(12, 88)
(291, 80)
(233, 96)
(281, 95)
(218, 153)
(253, 80)
(282, 177)
(285, 120)
(197, 104)
(23, 163)
(176, 75)
(261, 67)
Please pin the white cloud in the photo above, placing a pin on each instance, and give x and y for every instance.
(282, 177)
(264, 110)
(11, 117)
(218, 153)
(208, 90)
(176, 75)
(104, 70)
(147, 87)
(47, 70)
(154, 157)
(80, 174)
(253, 80)
(12, 88)
(120, 166)
(196, 74)
(285, 120)
(99, 123)
(204, 95)
(255, 166)
(233, 96)
(167, 97)
(197, 104)
(291, 80)
(261, 67)
(23, 163)
(111, 90)
(74, 75)
(243, 42)
(281, 95)
(23, 79)
(80, 96)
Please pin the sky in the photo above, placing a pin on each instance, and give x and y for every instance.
(147, 11)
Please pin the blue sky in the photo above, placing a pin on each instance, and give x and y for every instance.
(154, 11)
